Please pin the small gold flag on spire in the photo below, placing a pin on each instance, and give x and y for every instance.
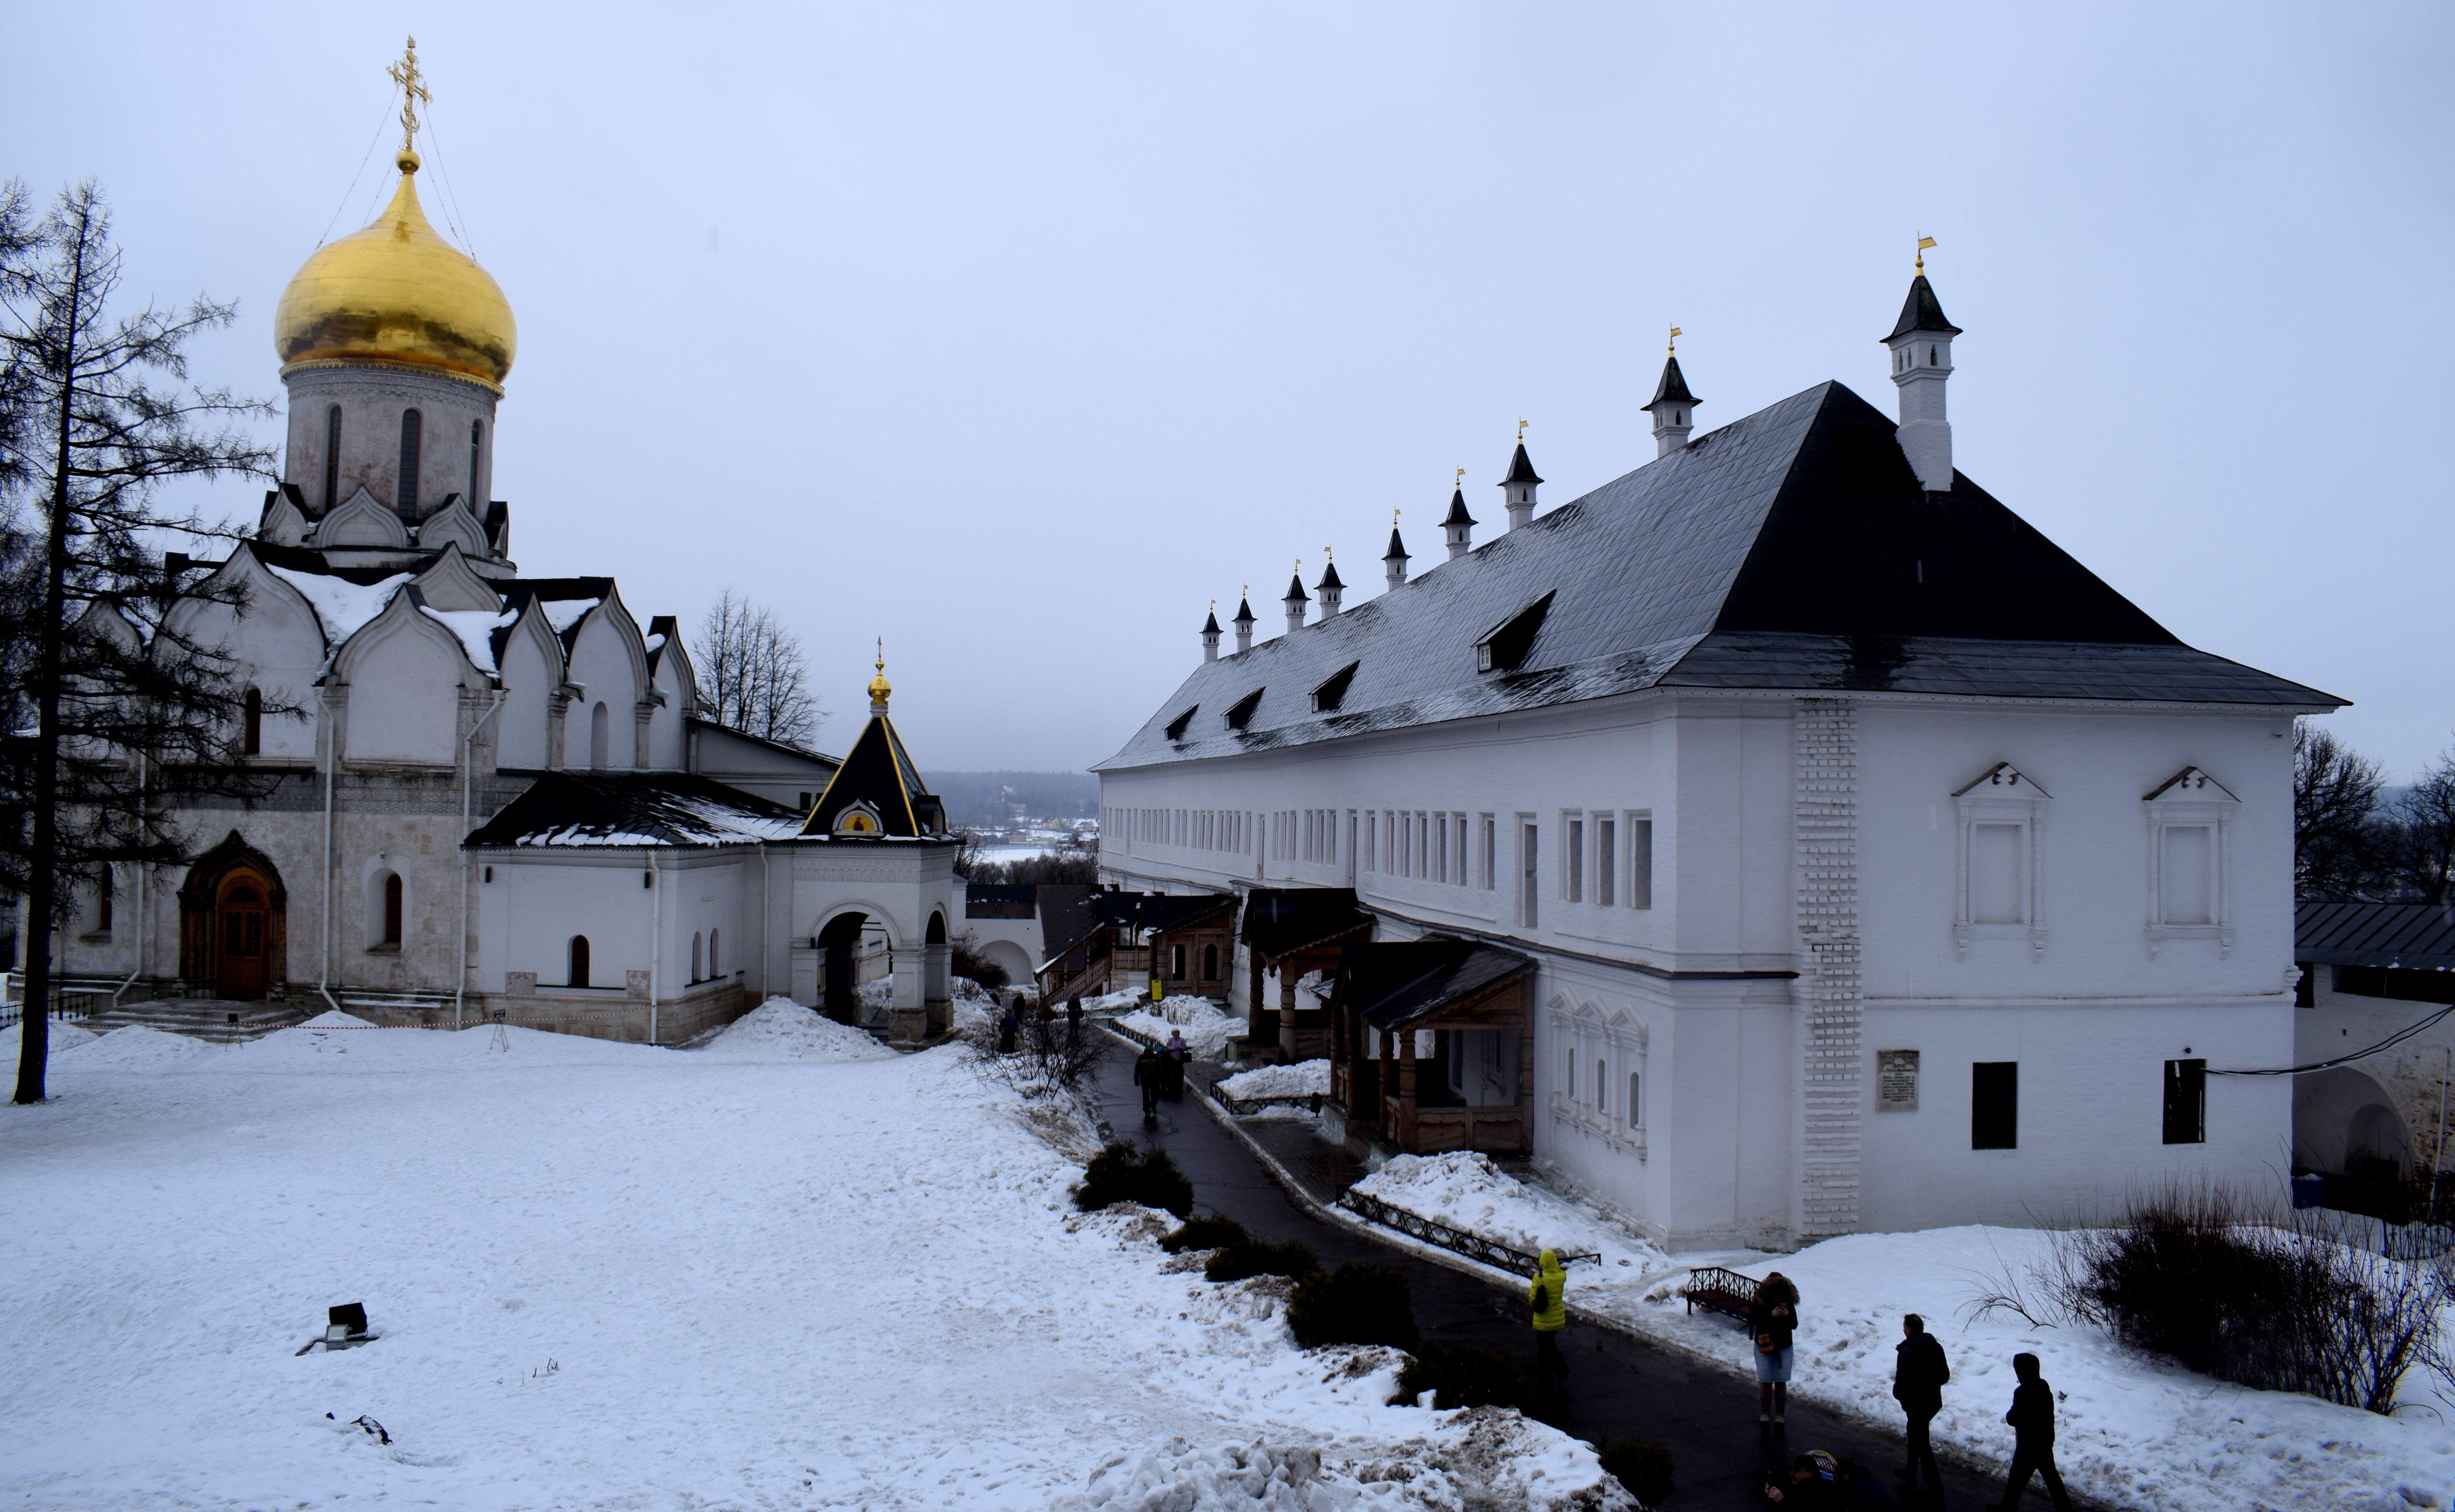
(1924, 242)
(1674, 339)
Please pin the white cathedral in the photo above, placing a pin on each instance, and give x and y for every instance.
(1781, 840)
(504, 800)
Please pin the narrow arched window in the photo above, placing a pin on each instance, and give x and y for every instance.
(332, 456)
(1931, 358)
(1209, 963)
(600, 737)
(477, 455)
(696, 940)
(404, 495)
(392, 908)
(251, 722)
(580, 961)
(713, 969)
(1602, 1085)
(103, 888)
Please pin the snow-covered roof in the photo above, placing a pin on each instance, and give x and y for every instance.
(475, 627)
(632, 809)
(340, 605)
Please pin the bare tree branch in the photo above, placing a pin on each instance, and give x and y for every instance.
(753, 675)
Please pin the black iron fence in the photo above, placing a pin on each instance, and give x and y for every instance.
(1474, 1246)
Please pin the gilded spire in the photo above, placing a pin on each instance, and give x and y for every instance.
(1924, 242)
(413, 93)
(880, 689)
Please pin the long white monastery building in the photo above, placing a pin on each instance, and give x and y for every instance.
(1881, 867)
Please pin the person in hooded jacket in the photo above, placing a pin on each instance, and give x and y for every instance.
(1772, 1319)
(1150, 1072)
(1547, 1297)
(2032, 1447)
(1919, 1373)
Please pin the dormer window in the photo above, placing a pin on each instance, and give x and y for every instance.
(1176, 726)
(1326, 697)
(1242, 714)
(1504, 648)
(859, 818)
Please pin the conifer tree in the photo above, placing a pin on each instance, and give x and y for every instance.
(115, 715)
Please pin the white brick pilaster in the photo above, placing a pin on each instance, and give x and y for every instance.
(1825, 838)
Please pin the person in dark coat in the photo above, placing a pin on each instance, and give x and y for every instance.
(1150, 1070)
(1919, 1373)
(2033, 1449)
(1074, 1020)
(1009, 1026)
(1772, 1318)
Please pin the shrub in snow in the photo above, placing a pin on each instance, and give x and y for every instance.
(1124, 1173)
(1361, 1303)
(1462, 1376)
(1641, 1465)
(967, 961)
(1208, 1232)
(1237, 1261)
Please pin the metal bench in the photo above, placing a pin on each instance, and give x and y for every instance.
(1720, 1291)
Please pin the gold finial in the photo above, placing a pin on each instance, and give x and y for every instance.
(880, 689)
(1325, 554)
(413, 92)
(1924, 242)
(1674, 345)
(1394, 519)
(1460, 485)
(1521, 433)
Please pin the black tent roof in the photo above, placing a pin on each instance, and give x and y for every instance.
(879, 773)
(1922, 310)
(1397, 547)
(1521, 469)
(1395, 982)
(1329, 576)
(1672, 388)
(1279, 921)
(1791, 550)
(1457, 514)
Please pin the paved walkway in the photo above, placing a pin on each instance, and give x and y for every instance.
(1618, 1386)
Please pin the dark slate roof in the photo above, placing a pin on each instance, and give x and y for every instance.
(553, 590)
(1160, 910)
(1922, 310)
(1457, 514)
(661, 631)
(308, 559)
(1282, 920)
(1521, 470)
(1067, 913)
(1244, 611)
(1672, 388)
(1395, 982)
(1397, 547)
(1329, 576)
(1295, 592)
(878, 771)
(625, 809)
(1791, 550)
(1001, 900)
(1210, 623)
(2414, 936)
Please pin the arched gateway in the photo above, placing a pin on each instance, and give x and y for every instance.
(234, 923)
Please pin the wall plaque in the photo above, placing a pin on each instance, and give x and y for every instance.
(1897, 1076)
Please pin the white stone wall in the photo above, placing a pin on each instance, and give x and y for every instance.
(373, 400)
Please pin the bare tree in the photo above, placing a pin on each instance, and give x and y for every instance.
(2335, 795)
(2420, 838)
(753, 674)
(114, 715)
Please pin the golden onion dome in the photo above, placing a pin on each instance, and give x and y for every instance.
(396, 292)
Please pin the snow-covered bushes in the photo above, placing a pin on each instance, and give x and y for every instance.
(1124, 1173)
(1361, 1303)
(1246, 1257)
(1208, 1232)
(1463, 1375)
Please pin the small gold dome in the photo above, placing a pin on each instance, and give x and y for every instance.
(396, 292)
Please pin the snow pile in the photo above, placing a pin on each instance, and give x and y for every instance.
(1306, 1079)
(336, 1019)
(973, 1005)
(780, 1029)
(136, 1047)
(1206, 1030)
(2131, 1431)
(876, 996)
(1466, 1191)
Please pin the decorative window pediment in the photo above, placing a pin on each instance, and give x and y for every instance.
(363, 522)
(2190, 826)
(1998, 869)
(859, 818)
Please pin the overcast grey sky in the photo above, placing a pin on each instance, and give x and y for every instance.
(1017, 334)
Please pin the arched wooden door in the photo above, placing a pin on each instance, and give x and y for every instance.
(242, 929)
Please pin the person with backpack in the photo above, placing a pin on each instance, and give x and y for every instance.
(2033, 1448)
(1546, 1298)
(1772, 1319)
(1920, 1373)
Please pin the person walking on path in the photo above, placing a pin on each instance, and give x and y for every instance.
(2033, 1423)
(1919, 1373)
(1009, 1026)
(1074, 1020)
(1150, 1071)
(1772, 1319)
(1177, 1054)
(1546, 1296)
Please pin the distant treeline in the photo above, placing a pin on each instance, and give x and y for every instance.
(988, 797)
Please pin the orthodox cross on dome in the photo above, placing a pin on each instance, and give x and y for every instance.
(880, 689)
(1924, 242)
(413, 92)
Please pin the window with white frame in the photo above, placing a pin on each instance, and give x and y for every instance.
(1606, 859)
(1459, 841)
(1441, 846)
(1998, 873)
(1491, 853)
(1572, 856)
(1641, 859)
(2190, 822)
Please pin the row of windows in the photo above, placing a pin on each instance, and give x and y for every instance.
(1597, 1090)
(1178, 961)
(412, 426)
(1995, 1103)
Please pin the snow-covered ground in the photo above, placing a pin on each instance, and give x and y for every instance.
(2132, 1431)
(1206, 1029)
(758, 1274)
(1306, 1079)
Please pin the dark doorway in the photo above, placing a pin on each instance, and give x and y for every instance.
(840, 987)
(241, 915)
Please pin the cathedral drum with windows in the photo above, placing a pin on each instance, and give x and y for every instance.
(1813, 846)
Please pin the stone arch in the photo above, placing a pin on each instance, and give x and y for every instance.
(2342, 1117)
(936, 960)
(839, 940)
(234, 923)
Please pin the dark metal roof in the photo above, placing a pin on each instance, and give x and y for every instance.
(1001, 900)
(1067, 913)
(1793, 549)
(625, 809)
(1280, 920)
(879, 773)
(1672, 388)
(1244, 611)
(1521, 470)
(1210, 623)
(1395, 982)
(1160, 910)
(2414, 936)
(1922, 310)
(1295, 593)
(1397, 547)
(1457, 514)
(1329, 576)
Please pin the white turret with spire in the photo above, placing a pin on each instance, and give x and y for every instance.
(1393, 561)
(1296, 599)
(1671, 403)
(1921, 346)
(1244, 620)
(1210, 633)
(1330, 588)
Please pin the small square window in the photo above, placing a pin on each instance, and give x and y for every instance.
(1995, 1105)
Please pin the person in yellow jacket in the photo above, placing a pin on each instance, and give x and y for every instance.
(1548, 1297)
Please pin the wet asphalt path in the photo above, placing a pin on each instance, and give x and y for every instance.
(1618, 1386)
